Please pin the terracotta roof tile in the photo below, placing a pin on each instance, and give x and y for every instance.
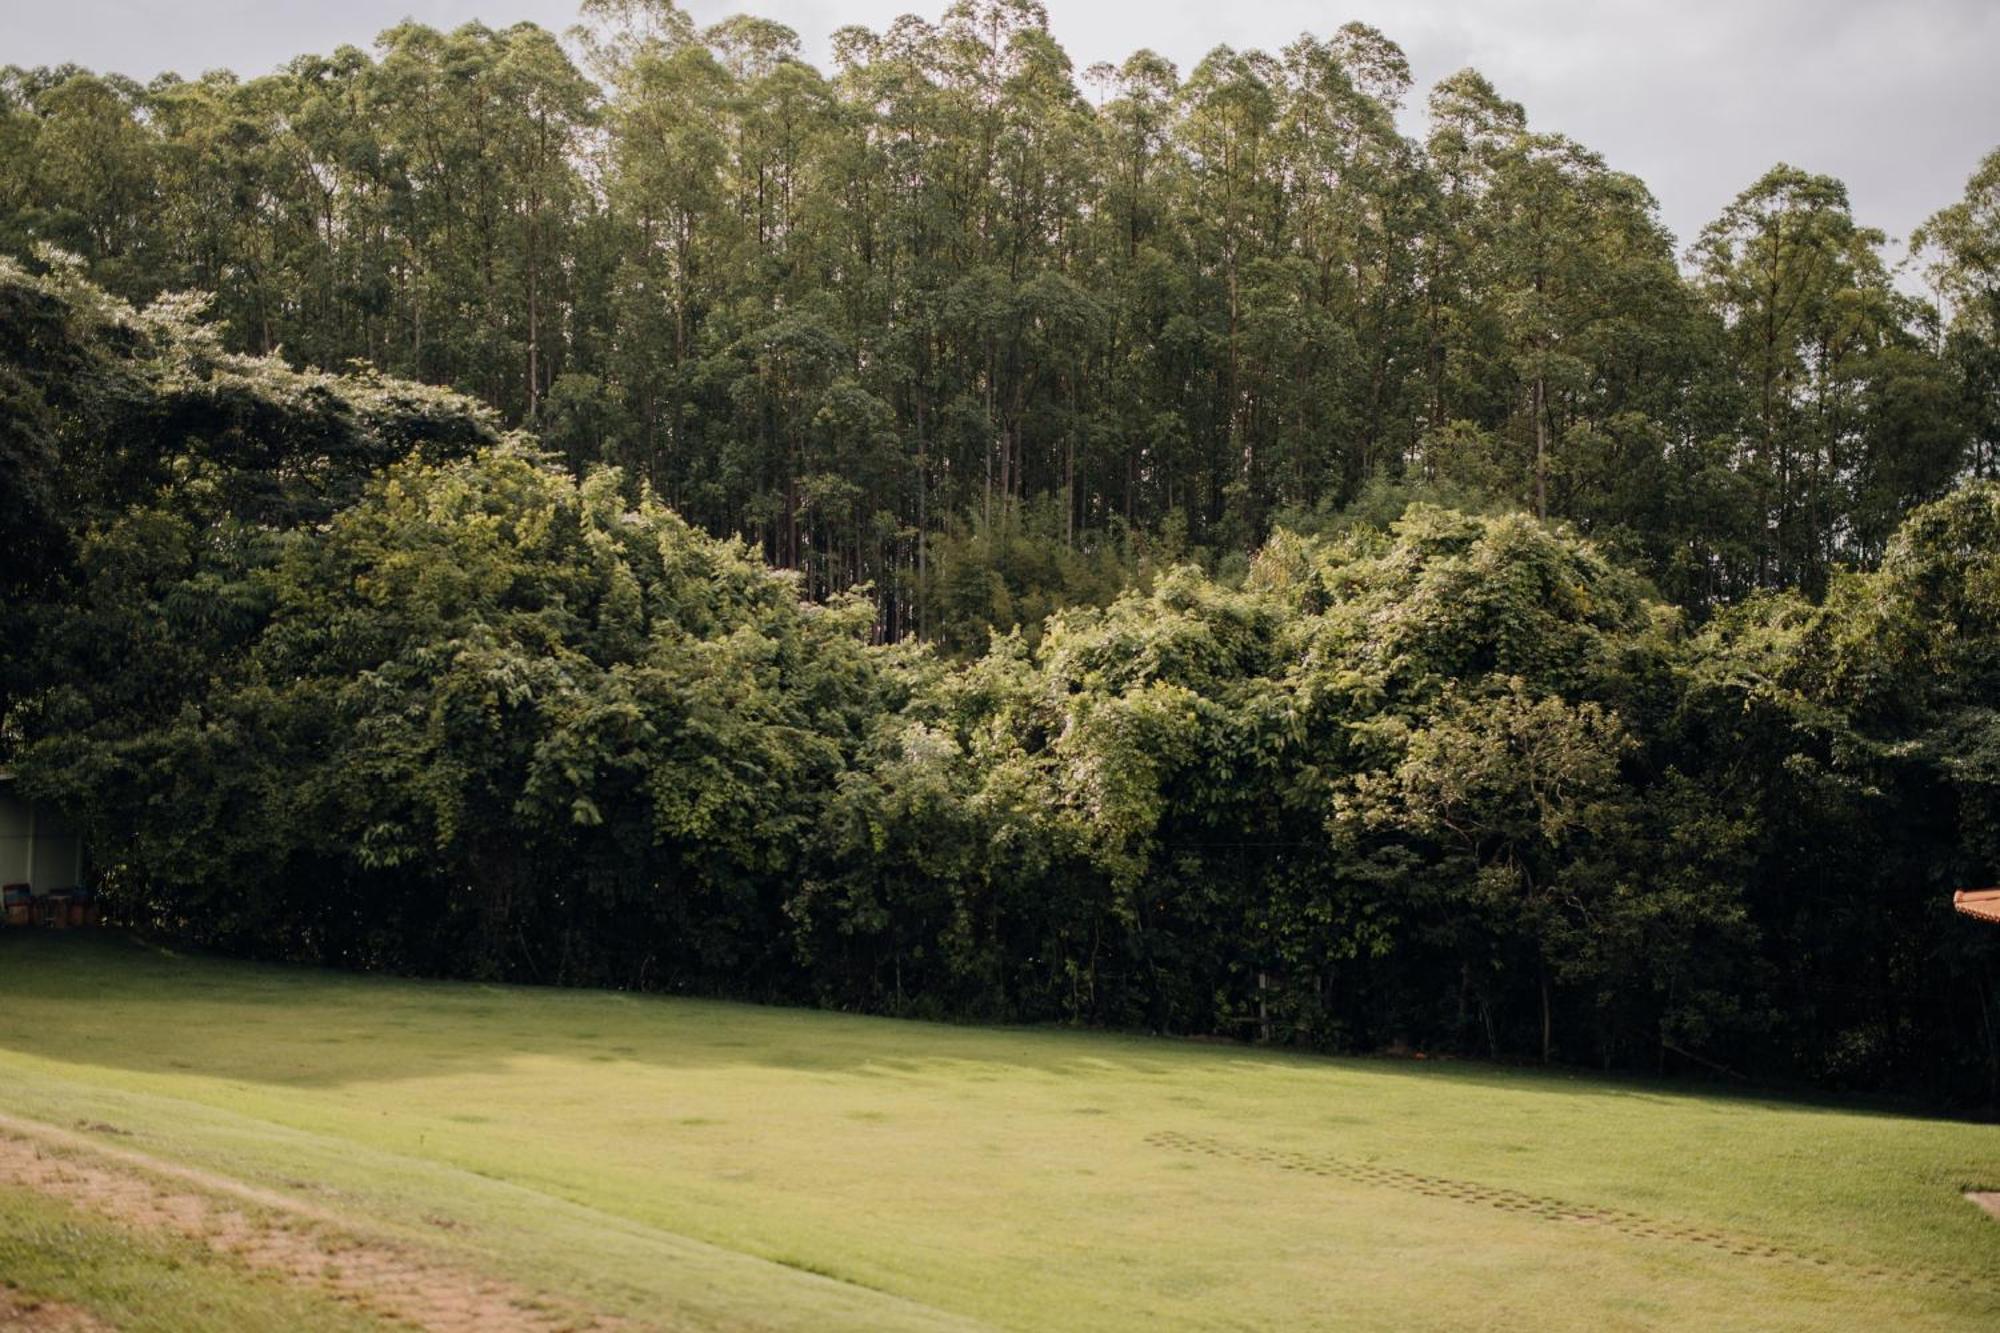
(1982, 903)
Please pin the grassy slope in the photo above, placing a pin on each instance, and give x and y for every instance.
(635, 1150)
(148, 1284)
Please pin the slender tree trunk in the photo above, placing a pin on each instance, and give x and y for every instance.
(1541, 446)
(1983, 988)
(1548, 1018)
(534, 331)
(923, 524)
(1069, 492)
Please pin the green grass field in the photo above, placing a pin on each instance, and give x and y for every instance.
(692, 1164)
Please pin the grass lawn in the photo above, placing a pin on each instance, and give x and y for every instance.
(145, 1283)
(704, 1165)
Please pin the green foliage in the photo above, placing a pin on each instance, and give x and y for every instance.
(1197, 560)
(935, 322)
(1841, 408)
(483, 678)
(1961, 247)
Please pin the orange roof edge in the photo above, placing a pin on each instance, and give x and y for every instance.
(1981, 903)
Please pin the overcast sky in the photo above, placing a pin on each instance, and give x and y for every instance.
(1697, 97)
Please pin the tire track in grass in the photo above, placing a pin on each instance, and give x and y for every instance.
(1542, 1207)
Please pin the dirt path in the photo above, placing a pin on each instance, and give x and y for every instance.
(270, 1232)
(1623, 1221)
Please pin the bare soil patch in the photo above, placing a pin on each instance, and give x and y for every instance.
(25, 1314)
(269, 1232)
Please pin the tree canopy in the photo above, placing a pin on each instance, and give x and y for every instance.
(919, 537)
(986, 334)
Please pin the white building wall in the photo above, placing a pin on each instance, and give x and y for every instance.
(36, 847)
(15, 826)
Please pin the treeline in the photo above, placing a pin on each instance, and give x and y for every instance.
(331, 669)
(991, 335)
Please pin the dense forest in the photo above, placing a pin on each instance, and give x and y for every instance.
(954, 535)
(988, 334)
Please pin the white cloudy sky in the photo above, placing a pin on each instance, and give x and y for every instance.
(1899, 98)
